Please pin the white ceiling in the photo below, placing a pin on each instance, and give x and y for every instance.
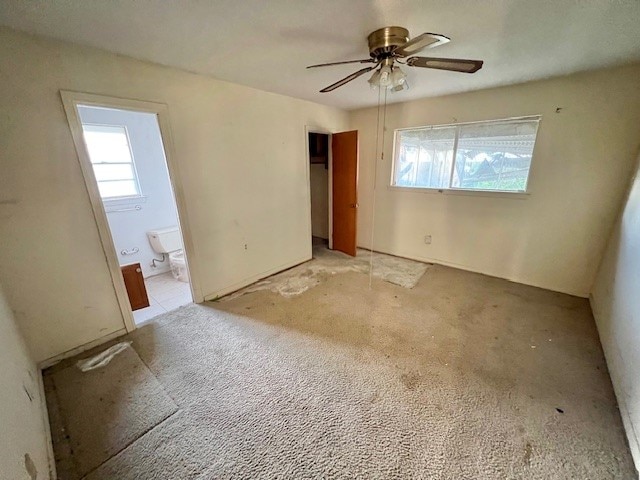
(266, 44)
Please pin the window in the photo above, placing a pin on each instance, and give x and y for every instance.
(110, 155)
(486, 156)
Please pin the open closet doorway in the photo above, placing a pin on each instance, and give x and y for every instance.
(333, 187)
(319, 187)
(125, 167)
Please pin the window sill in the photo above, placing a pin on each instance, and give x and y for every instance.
(468, 193)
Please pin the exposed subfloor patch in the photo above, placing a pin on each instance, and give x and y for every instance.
(102, 411)
(325, 263)
(463, 376)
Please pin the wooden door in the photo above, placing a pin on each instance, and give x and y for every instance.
(134, 282)
(344, 148)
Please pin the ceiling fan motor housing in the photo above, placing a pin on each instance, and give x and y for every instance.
(384, 41)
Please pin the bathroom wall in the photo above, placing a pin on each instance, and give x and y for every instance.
(615, 300)
(157, 205)
(240, 157)
(23, 431)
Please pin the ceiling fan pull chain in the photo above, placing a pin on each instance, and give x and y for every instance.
(375, 174)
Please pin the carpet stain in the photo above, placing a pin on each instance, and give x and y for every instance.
(528, 452)
(30, 467)
(410, 380)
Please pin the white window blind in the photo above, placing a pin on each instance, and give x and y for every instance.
(486, 156)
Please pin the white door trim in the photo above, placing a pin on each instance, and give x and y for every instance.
(70, 101)
(307, 130)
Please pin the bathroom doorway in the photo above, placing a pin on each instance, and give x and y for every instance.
(128, 177)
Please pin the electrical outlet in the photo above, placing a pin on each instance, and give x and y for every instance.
(427, 239)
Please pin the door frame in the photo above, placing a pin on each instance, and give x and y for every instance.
(307, 130)
(71, 100)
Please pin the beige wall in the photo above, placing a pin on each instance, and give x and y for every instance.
(241, 157)
(319, 201)
(616, 308)
(552, 238)
(22, 416)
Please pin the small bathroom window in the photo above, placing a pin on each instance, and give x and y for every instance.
(110, 154)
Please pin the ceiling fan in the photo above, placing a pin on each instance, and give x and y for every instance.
(391, 45)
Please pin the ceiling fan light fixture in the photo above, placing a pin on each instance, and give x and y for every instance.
(374, 81)
(398, 78)
(385, 76)
(400, 87)
(389, 77)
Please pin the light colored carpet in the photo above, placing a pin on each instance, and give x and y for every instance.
(462, 377)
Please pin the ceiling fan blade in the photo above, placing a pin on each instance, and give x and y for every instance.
(353, 76)
(451, 64)
(368, 60)
(418, 43)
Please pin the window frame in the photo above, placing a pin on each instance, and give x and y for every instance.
(134, 169)
(458, 190)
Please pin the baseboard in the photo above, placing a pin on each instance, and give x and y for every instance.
(75, 351)
(253, 279)
(159, 271)
(53, 474)
(466, 268)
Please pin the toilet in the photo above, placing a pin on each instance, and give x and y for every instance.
(179, 266)
(168, 241)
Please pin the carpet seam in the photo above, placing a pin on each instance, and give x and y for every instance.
(173, 400)
(131, 443)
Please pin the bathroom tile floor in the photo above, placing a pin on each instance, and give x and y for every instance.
(165, 294)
